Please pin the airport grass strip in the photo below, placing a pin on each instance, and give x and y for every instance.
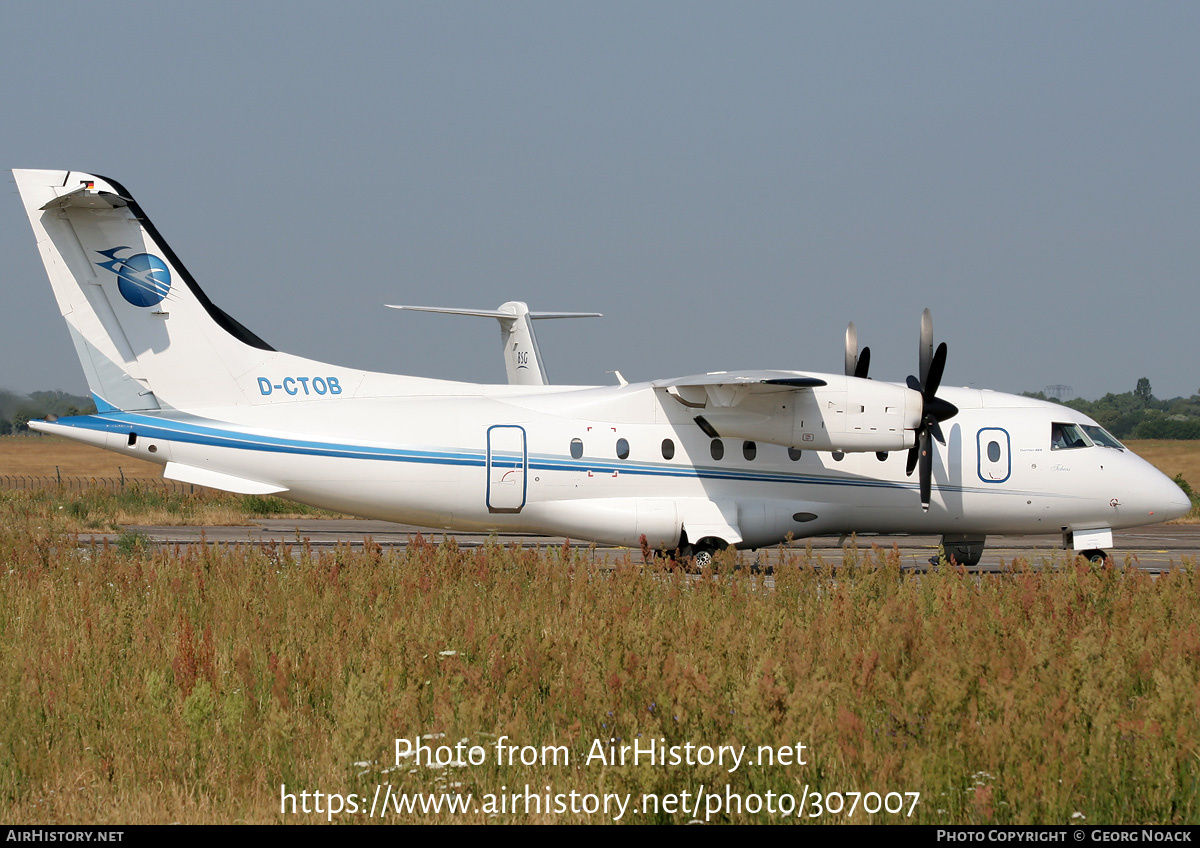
(145, 685)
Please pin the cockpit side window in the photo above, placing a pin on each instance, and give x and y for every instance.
(1102, 437)
(1067, 437)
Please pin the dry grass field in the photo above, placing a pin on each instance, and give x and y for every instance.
(1171, 457)
(46, 456)
(207, 684)
(139, 501)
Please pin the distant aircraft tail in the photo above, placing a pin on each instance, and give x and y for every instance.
(147, 335)
(522, 359)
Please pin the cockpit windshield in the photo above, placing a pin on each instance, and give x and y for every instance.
(1067, 436)
(1102, 437)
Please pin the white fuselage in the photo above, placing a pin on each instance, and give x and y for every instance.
(424, 459)
(179, 382)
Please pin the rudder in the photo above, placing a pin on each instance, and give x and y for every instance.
(146, 334)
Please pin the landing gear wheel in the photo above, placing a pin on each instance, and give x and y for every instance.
(702, 553)
(1095, 556)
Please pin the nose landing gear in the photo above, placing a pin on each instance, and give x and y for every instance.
(1089, 544)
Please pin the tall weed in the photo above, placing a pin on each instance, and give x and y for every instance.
(143, 685)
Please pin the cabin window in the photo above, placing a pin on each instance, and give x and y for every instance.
(668, 449)
(749, 450)
(576, 448)
(717, 449)
(794, 454)
(993, 450)
(622, 449)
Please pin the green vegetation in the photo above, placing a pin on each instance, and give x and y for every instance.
(1193, 496)
(145, 685)
(16, 410)
(1139, 415)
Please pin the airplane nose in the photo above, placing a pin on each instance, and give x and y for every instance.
(1151, 493)
(1176, 502)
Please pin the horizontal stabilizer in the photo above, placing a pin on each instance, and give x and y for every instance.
(446, 310)
(85, 196)
(500, 314)
(218, 480)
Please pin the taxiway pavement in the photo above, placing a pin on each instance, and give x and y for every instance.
(1155, 548)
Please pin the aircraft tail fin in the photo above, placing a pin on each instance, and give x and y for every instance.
(147, 335)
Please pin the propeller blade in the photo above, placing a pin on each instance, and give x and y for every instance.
(926, 473)
(851, 350)
(926, 349)
(934, 379)
(933, 409)
(864, 364)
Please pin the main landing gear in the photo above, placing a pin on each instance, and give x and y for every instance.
(702, 552)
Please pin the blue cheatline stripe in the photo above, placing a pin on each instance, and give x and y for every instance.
(180, 431)
(102, 405)
(222, 437)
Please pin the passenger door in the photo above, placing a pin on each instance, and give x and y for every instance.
(995, 462)
(507, 465)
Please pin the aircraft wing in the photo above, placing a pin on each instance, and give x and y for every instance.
(812, 411)
(730, 388)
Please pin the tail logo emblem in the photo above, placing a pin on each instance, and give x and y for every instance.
(143, 279)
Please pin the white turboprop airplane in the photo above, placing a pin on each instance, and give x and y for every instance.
(696, 463)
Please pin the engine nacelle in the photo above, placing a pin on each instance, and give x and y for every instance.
(847, 414)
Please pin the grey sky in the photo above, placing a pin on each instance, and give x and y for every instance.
(729, 184)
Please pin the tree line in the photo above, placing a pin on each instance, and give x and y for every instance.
(1136, 414)
(16, 410)
(1139, 414)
